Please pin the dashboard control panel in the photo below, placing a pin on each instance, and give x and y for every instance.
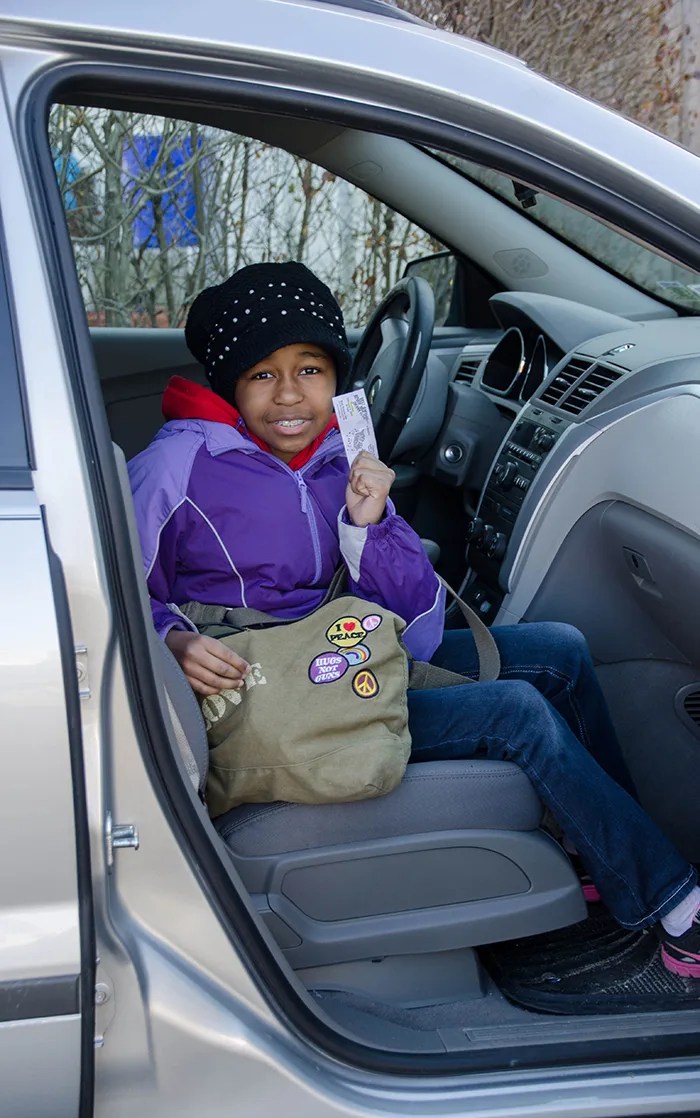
(522, 454)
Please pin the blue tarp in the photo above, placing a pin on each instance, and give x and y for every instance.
(180, 219)
(72, 175)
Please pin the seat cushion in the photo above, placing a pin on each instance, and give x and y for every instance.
(433, 796)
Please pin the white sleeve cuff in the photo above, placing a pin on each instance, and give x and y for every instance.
(352, 542)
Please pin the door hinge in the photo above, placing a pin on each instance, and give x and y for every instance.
(104, 1005)
(119, 836)
(81, 668)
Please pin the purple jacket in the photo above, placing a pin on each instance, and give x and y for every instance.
(226, 523)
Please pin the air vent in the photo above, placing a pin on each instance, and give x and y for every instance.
(579, 383)
(592, 385)
(687, 704)
(691, 705)
(564, 380)
(467, 369)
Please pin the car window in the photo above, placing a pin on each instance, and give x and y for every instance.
(649, 270)
(14, 451)
(159, 208)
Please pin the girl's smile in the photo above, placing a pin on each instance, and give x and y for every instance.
(286, 399)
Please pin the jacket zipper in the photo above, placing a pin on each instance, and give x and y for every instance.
(307, 509)
(309, 513)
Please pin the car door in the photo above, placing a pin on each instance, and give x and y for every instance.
(209, 1042)
(41, 984)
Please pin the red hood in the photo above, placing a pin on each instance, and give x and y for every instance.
(183, 399)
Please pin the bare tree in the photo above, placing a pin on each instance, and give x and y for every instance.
(159, 209)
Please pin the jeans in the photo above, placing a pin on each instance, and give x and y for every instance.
(547, 714)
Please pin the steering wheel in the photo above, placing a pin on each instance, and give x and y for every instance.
(391, 357)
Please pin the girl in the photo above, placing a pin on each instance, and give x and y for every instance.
(244, 498)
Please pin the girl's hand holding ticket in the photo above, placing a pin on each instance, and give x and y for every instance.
(367, 489)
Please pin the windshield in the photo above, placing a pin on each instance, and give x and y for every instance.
(607, 246)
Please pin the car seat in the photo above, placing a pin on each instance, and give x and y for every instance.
(454, 857)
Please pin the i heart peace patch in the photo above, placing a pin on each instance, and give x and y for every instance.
(346, 632)
(346, 635)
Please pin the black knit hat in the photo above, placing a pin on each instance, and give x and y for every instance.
(257, 310)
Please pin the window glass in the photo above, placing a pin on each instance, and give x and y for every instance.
(158, 209)
(623, 255)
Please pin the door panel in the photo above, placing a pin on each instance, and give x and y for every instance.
(52, 1043)
(40, 955)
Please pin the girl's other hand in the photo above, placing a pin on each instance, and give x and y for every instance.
(209, 665)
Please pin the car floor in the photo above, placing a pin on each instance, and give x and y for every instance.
(583, 982)
(415, 1002)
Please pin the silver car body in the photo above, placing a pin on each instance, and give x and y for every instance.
(177, 1022)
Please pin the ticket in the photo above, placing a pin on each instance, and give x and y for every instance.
(355, 423)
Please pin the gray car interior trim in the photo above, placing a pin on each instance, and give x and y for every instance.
(346, 903)
(403, 174)
(662, 358)
(573, 479)
(567, 323)
(631, 596)
(474, 427)
(634, 559)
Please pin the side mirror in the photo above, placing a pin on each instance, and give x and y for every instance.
(440, 271)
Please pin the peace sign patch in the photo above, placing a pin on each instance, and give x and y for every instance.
(365, 684)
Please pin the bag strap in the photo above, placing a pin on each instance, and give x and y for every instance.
(242, 617)
(423, 675)
(486, 647)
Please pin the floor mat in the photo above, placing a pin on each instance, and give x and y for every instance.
(595, 966)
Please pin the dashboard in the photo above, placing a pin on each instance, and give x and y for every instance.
(580, 494)
(522, 414)
(519, 364)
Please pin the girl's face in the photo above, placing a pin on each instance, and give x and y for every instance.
(286, 399)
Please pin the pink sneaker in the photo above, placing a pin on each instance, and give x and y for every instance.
(590, 891)
(681, 954)
(588, 886)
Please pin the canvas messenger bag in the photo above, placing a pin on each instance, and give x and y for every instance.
(323, 715)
